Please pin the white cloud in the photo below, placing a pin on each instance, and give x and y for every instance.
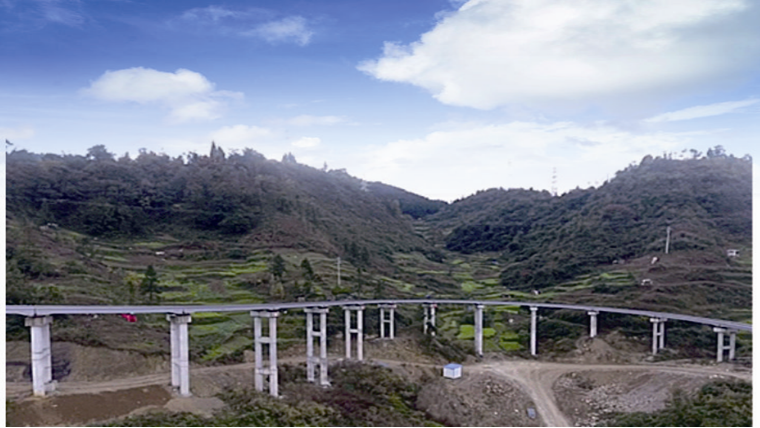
(292, 29)
(211, 14)
(20, 133)
(454, 163)
(187, 94)
(269, 142)
(307, 142)
(701, 111)
(241, 136)
(308, 120)
(62, 12)
(492, 53)
(251, 22)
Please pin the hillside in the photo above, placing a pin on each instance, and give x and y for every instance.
(243, 229)
(241, 197)
(543, 240)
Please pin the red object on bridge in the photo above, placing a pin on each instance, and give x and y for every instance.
(129, 317)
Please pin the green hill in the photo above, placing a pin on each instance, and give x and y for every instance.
(545, 239)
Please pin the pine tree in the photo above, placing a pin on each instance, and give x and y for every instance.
(277, 267)
(150, 284)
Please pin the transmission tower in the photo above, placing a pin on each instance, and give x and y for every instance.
(554, 181)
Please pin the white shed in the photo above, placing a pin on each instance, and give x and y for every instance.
(452, 371)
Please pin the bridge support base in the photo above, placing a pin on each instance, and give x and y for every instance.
(311, 361)
(429, 320)
(722, 347)
(180, 350)
(359, 331)
(592, 324)
(42, 362)
(389, 321)
(533, 310)
(258, 342)
(479, 330)
(658, 334)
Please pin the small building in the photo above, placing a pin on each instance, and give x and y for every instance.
(732, 253)
(452, 371)
(531, 413)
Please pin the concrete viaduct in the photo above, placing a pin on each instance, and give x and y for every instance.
(39, 319)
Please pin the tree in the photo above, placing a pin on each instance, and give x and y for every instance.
(99, 153)
(716, 152)
(277, 267)
(289, 158)
(307, 271)
(133, 282)
(150, 284)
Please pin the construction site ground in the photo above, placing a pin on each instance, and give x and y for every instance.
(102, 384)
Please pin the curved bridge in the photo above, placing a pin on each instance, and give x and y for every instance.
(39, 319)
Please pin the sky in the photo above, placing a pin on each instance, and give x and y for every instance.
(439, 97)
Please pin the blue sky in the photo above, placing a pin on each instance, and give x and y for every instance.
(442, 98)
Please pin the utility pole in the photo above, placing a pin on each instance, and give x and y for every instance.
(667, 242)
(338, 271)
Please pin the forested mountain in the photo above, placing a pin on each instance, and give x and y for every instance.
(542, 239)
(237, 196)
(707, 203)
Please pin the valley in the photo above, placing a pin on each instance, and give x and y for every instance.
(285, 239)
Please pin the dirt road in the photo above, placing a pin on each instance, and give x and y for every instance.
(537, 379)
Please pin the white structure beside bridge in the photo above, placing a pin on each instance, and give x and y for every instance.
(39, 319)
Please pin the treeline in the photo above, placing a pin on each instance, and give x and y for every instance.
(707, 202)
(240, 195)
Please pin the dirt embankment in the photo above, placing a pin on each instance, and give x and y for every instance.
(74, 363)
(588, 396)
(476, 400)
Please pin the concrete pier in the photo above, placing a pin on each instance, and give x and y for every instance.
(389, 321)
(180, 350)
(479, 330)
(429, 320)
(322, 335)
(722, 347)
(258, 342)
(658, 334)
(42, 362)
(592, 324)
(533, 310)
(359, 331)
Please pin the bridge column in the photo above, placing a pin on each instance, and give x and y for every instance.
(479, 330)
(722, 347)
(429, 321)
(359, 330)
(658, 334)
(592, 326)
(180, 350)
(383, 321)
(42, 363)
(533, 310)
(322, 335)
(258, 343)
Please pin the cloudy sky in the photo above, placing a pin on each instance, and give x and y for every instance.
(440, 97)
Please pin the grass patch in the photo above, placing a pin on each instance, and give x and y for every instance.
(466, 332)
(470, 286)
